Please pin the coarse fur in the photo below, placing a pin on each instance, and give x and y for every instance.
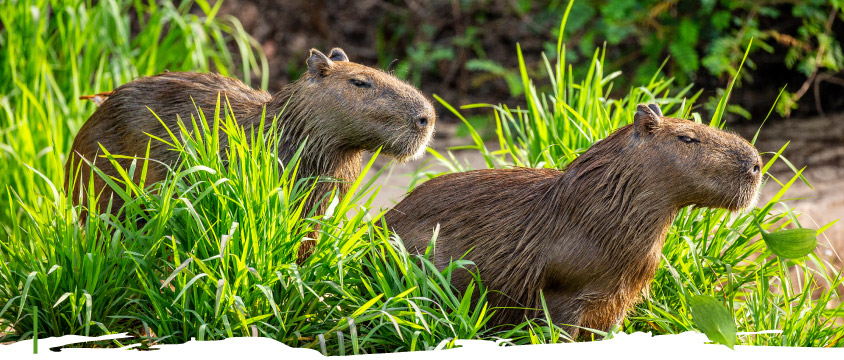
(341, 108)
(589, 237)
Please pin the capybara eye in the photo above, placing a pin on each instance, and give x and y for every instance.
(688, 139)
(360, 83)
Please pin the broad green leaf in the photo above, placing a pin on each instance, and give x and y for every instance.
(713, 319)
(791, 243)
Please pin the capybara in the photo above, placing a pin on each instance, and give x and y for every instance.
(589, 237)
(340, 107)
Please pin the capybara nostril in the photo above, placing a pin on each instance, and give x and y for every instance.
(749, 162)
(754, 165)
(422, 122)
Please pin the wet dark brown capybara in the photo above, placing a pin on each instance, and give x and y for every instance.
(342, 108)
(589, 237)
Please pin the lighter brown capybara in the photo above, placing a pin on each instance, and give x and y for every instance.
(589, 237)
(342, 108)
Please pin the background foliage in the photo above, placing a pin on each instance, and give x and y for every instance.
(463, 49)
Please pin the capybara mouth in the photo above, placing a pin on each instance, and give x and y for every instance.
(417, 145)
(750, 182)
(410, 147)
(746, 197)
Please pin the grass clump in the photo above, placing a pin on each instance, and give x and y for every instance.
(52, 52)
(210, 252)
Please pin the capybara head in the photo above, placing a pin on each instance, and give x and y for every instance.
(365, 107)
(689, 163)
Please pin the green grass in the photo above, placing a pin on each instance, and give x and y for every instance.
(53, 52)
(210, 252)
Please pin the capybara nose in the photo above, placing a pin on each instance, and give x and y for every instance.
(754, 166)
(424, 118)
(422, 122)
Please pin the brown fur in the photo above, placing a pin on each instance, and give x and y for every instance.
(589, 237)
(339, 118)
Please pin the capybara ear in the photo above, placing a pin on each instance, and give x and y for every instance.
(656, 109)
(337, 54)
(318, 64)
(646, 119)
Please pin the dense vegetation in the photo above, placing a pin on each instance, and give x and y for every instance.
(463, 50)
(210, 251)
